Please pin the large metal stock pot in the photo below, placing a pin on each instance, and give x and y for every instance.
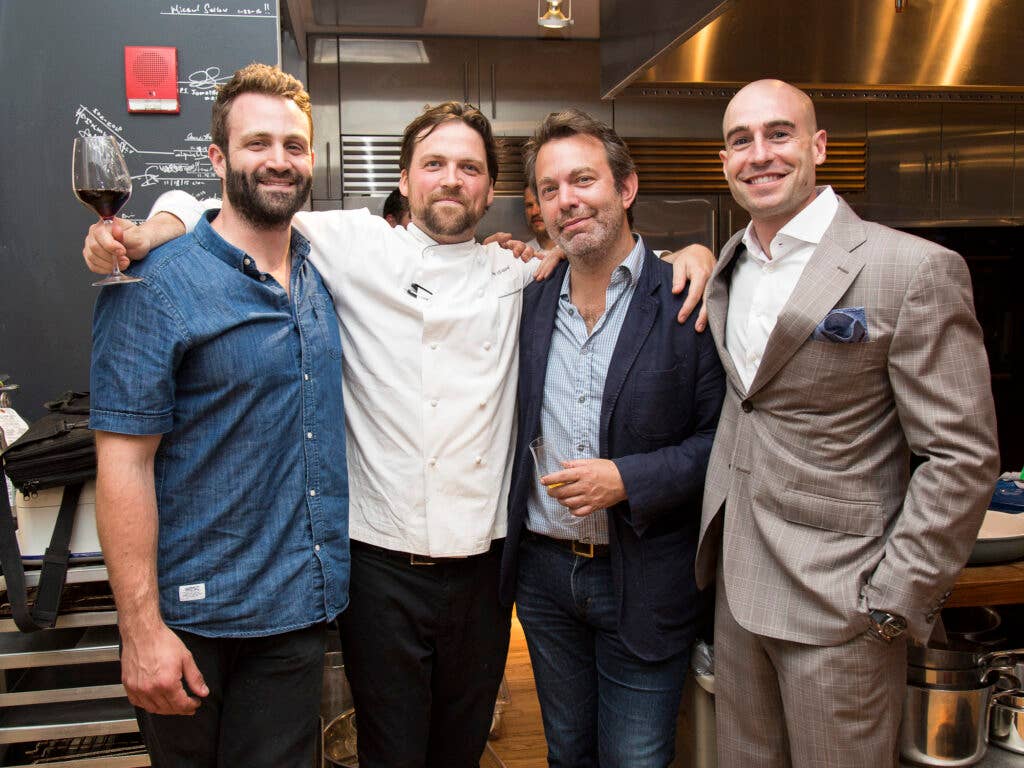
(945, 714)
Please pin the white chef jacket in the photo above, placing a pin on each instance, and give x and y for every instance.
(760, 287)
(431, 357)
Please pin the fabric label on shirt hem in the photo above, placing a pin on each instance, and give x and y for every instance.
(187, 592)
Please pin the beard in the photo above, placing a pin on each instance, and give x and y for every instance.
(265, 209)
(592, 245)
(448, 222)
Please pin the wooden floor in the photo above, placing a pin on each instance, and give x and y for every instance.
(520, 741)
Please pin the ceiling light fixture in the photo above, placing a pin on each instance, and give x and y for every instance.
(554, 14)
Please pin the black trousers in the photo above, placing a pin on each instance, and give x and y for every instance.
(425, 649)
(262, 711)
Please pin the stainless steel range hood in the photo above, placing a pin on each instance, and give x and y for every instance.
(952, 48)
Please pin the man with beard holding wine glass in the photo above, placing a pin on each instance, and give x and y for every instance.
(222, 492)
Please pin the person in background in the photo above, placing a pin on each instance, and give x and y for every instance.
(430, 321)
(396, 209)
(222, 501)
(600, 565)
(541, 239)
(847, 347)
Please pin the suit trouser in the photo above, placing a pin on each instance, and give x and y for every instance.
(425, 649)
(779, 703)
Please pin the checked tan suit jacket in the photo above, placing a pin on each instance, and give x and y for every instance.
(809, 498)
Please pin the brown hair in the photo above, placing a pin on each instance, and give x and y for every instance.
(256, 78)
(442, 113)
(576, 122)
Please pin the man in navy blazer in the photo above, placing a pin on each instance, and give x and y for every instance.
(601, 563)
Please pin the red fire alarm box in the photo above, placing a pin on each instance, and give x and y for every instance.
(151, 78)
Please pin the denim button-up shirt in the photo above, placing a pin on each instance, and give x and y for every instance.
(244, 384)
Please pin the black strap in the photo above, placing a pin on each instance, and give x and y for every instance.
(55, 564)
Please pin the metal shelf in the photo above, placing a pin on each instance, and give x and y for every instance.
(59, 647)
(77, 574)
(83, 619)
(108, 761)
(64, 720)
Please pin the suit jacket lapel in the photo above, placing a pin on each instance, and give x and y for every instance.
(636, 326)
(831, 269)
(718, 304)
(540, 324)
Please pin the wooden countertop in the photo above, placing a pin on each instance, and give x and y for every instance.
(989, 585)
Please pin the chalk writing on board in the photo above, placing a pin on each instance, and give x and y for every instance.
(186, 166)
(257, 10)
(203, 83)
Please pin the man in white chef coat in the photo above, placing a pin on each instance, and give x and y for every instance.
(429, 320)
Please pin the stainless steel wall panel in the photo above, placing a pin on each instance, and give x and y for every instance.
(322, 82)
(522, 81)
(379, 99)
(977, 161)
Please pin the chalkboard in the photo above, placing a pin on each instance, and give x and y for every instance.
(62, 65)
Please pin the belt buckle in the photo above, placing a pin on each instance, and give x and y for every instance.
(582, 549)
(421, 560)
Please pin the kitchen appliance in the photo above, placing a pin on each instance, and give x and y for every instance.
(945, 713)
(1006, 721)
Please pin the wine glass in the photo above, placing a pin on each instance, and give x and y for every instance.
(548, 459)
(101, 182)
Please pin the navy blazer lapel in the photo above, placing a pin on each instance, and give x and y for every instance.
(540, 324)
(636, 326)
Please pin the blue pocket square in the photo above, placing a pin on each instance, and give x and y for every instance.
(845, 326)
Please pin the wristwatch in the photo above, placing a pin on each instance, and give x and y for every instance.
(887, 625)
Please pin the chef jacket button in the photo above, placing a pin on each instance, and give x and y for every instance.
(487, 345)
(483, 403)
(747, 406)
(479, 459)
(433, 403)
(433, 461)
(433, 345)
(480, 293)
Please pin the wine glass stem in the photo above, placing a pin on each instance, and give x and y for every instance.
(115, 271)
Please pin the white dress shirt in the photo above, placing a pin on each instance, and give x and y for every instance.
(760, 287)
(431, 357)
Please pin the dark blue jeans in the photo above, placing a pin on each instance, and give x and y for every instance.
(601, 704)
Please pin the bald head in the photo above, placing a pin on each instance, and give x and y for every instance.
(772, 149)
(788, 98)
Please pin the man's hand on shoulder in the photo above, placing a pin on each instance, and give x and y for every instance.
(127, 241)
(549, 259)
(153, 665)
(693, 264)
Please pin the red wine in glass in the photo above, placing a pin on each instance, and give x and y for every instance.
(106, 202)
(101, 181)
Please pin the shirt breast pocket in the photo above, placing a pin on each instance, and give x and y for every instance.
(659, 403)
(326, 324)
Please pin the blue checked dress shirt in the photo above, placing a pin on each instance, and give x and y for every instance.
(573, 389)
